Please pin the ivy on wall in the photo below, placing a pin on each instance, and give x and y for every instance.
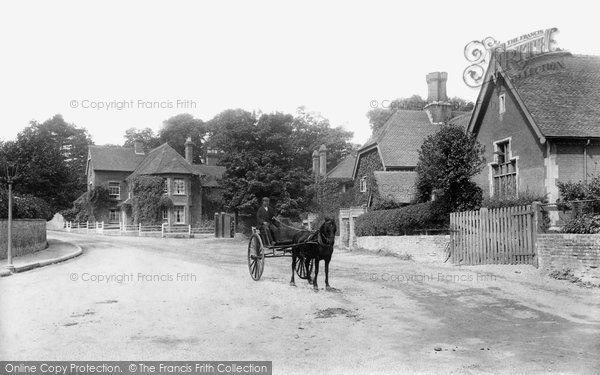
(148, 201)
(367, 164)
(90, 206)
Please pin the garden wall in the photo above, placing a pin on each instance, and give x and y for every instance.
(422, 248)
(578, 252)
(28, 236)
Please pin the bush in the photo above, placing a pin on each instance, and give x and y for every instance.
(405, 220)
(584, 224)
(25, 206)
(523, 199)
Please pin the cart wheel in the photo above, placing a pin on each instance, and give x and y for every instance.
(301, 270)
(256, 264)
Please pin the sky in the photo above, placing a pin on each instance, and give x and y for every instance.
(111, 65)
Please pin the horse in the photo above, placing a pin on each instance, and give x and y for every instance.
(317, 245)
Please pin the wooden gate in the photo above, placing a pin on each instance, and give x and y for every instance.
(494, 236)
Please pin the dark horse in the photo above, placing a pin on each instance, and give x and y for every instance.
(317, 245)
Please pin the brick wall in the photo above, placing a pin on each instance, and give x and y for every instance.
(28, 236)
(422, 248)
(524, 144)
(578, 252)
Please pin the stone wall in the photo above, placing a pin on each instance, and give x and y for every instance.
(421, 248)
(28, 236)
(577, 252)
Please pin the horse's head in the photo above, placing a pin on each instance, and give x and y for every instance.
(328, 230)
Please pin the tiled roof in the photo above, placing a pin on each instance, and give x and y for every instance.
(461, 120)
(164, 160)
(344, 169)
(400, 139)
(114, 158)
(398, 186)
(564, 102)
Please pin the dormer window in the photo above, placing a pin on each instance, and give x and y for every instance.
(363, 184)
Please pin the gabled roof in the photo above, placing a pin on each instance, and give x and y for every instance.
(343, 170)
(164, 160)
(564, 102)
(400, 138)
(398, 186)
(114, 158)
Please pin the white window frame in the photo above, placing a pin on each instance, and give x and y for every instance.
(175, 210)
(175, 192)
(165, 215)
(114, 196)
(363, 184)
(501, 103)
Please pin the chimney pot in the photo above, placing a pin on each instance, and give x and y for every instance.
(138, 146)
(323, 160)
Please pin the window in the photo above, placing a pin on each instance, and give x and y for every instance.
(179, 186)
(113, 216)
(502, 103)
(114, 190)
(504, 171)
(179, 214)
(363, 184)
(165, 215)
(166, 186)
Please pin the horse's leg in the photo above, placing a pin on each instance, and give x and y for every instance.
(292, 281)
(307, 268)
(315, 285)
(327, 260)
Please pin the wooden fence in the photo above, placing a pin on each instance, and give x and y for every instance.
(494, 236)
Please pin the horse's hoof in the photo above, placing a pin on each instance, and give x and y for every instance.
(329, 288)
(315, 288)
(292, 284)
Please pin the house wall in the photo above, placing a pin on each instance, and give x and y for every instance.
(180, 200)
(368, 163)
(524, 144)
(570, 160)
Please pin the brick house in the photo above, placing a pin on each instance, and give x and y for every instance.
(385, 165)
(187, 184)
(539, 125)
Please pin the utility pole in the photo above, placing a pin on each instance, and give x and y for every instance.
(11, 172)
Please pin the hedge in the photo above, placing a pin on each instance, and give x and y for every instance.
(405, 220)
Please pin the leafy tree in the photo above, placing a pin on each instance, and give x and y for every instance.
(146, 135)
(448, 160)
(177, 129)
(51, 159)
(311, 130)
(90, 206)
(25, 206)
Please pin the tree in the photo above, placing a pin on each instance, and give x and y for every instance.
(148, 200)
(51, 159)
(310, 131)
(177, 129)
(448, 160)
(146, 135)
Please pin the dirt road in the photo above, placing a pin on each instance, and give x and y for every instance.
(178, 299)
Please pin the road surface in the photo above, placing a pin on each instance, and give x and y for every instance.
(179, 299)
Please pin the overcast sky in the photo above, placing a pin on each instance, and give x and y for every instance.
(332, 57)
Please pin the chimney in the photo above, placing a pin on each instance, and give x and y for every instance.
(138, 146)
(315, 168)
(323, 160)
(189, 150)
(438, 108)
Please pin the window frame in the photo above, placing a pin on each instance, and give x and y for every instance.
(503, 158)
(183, 191)
(114, 196)
(116, 218)
(175, 212)
(501, 103)
(363, 184)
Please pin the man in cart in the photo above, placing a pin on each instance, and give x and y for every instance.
(264, 218)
